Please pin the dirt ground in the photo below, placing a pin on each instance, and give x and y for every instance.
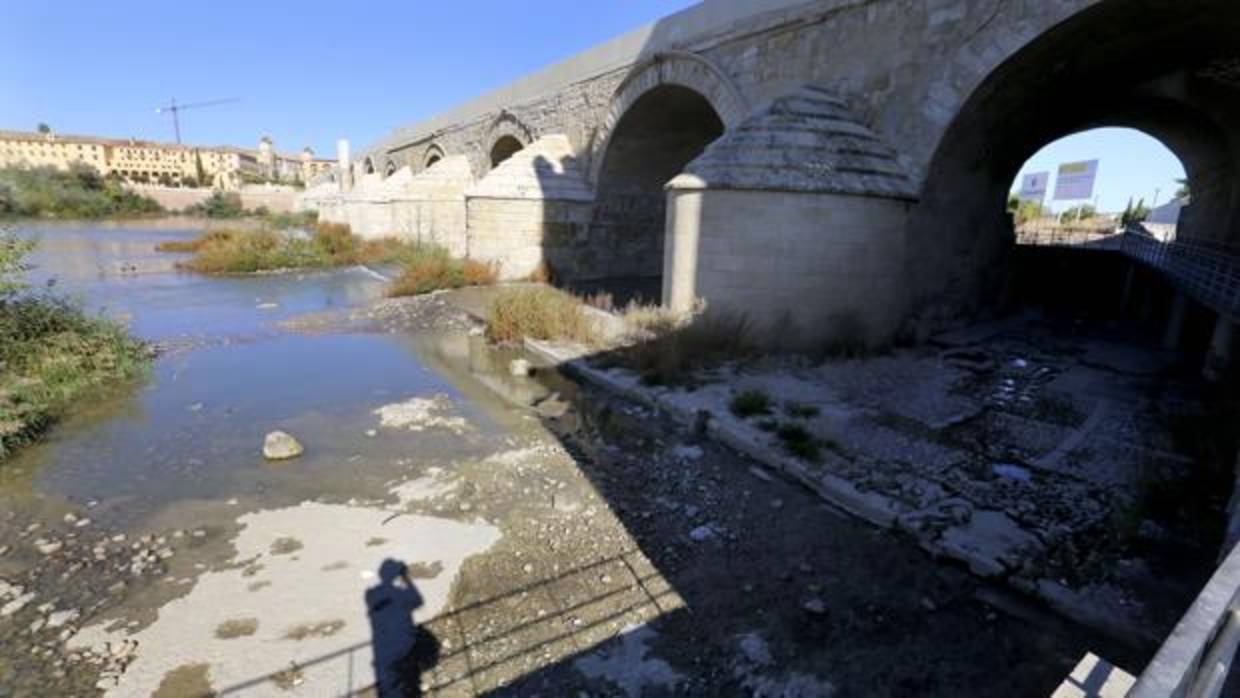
(600, 550)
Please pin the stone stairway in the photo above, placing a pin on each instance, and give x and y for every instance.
(1095, 677)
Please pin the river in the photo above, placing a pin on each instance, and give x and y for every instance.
(193, 429)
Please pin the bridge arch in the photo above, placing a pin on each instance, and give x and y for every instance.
(661, 131)
(674, 68)
(959, 233)
(506, 136)
(433, 154)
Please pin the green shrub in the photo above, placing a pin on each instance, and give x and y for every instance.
(51, 353)
(13, 251)
(750, 403)
(230, 251)
(800, 411)
(80, 192)
(799, 442)
(219, 205)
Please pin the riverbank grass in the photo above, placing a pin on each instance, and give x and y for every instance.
(428, 268)
(422, 268)
(52, 353)
(538, 312)
(237, 251)
(81, 192)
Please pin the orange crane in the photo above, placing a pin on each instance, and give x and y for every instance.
(175, 109)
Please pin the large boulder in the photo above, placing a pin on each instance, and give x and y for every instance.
(281, 446)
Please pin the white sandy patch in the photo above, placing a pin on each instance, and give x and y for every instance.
(420, 414)
(627, 663)
(516, 457)
(436, 483)
(322, 582)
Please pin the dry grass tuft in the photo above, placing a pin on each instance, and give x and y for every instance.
(429, 269)
(544, 274)
(677, 349)
(538, 313)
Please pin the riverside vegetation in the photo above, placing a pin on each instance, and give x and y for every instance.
(80, 192)
(52, 352)
(423, 268)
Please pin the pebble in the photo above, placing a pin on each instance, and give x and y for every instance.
(702, 533)
(61, 618)
(48, 547)
(815, 607)
(16, 604)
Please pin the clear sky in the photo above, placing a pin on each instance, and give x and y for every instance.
(1131, 164)
(306, 72)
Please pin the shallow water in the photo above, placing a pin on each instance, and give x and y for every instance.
(192, 430)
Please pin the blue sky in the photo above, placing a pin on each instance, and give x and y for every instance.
(1131, 164)
(306, 72)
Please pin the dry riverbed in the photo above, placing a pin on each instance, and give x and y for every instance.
(600, 548)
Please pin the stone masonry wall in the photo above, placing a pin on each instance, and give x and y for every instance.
(805, 269)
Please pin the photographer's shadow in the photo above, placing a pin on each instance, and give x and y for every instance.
(402, 650)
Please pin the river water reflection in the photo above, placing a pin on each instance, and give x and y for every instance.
(192, 430)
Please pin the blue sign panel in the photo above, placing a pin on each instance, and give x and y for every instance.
(1033, 186)
(1076, 180)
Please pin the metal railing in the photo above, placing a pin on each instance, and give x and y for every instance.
(1208, 272)
(1197, 656)
(1080, 236)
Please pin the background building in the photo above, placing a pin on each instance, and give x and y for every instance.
(169, 164)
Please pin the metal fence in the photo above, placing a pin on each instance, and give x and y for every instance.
(1208, 272)
(1205, 271)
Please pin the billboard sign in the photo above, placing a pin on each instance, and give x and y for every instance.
(1076, 180)
(1033, 186)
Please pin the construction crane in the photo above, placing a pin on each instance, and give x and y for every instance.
(175, 109)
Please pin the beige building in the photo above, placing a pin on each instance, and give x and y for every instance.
(159, 163)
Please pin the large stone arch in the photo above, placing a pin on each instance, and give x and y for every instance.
(368, 165)
(678, 68)
(1023, 94)
(390, 167)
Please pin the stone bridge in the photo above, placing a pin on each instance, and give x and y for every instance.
(828, 167)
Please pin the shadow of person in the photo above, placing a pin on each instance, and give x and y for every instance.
(401, 650)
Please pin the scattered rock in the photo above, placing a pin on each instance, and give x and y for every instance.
(815, 607)
(61, 618)
(48, 547)
(16, 604)
(687, 453)
(279, 445)
(702, 533)
(552, 407)
(755, 649)
(519, 368)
